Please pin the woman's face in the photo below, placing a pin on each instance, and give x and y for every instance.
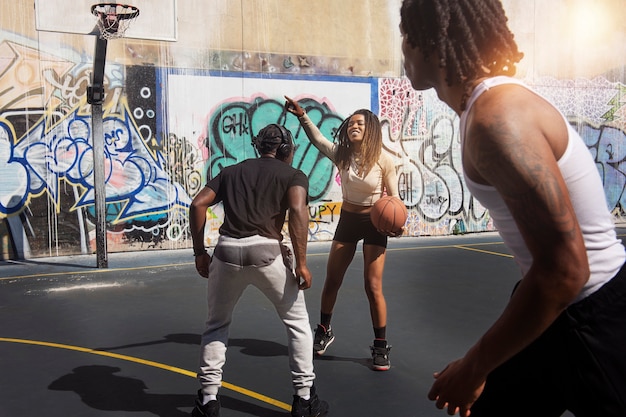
(356, 128)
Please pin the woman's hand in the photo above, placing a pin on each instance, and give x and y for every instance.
(396, 233)
(293, 107)
(392, 233)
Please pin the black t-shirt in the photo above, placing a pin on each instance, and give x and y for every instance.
(254, 193)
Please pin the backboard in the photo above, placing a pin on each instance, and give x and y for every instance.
(157, 19)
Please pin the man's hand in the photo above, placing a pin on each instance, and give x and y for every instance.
(202, 264)
(197, 220)
(456, 388)
(304, 277)
(293, 107)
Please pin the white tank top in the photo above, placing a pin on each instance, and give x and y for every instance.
(605, 252)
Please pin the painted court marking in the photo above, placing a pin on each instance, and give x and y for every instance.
(181, 371)
(241, 390)
(95, 271)
(232, 387)
(174, 369)
(468, 246)
(506, 255)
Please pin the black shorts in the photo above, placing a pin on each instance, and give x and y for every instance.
(577, 364)
(353, 227)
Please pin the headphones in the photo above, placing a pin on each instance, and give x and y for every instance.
(286, 141)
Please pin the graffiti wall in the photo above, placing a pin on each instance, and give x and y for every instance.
(167, 130)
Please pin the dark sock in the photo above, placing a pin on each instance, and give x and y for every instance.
(380, 332)
(325, 320)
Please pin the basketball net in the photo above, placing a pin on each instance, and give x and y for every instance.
(113, 19)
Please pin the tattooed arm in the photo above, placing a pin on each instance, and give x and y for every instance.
(513, 142)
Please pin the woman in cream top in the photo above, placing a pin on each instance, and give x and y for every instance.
(367, 173)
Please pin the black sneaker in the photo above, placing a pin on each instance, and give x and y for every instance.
(210, 409)
(380, 355)
(313, 407)
(323, 339)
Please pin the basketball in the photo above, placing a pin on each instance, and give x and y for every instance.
(389, 214)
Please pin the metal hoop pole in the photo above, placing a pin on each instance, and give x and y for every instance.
(95, 97)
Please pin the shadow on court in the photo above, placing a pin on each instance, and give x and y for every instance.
(80, 341)
(101, 388)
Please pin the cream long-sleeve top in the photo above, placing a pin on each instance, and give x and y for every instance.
(361, 190)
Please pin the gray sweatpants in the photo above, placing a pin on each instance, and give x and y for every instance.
(256, 261)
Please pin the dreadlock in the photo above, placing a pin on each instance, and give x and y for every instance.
(370, 147)
(470, 37)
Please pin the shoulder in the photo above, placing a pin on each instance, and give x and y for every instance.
(385, 157)
(285, 170)
(505, 112)
(507, 103)
(511, 109)
(511, 129)
(386, 161)
(238, 165)
(299, 178)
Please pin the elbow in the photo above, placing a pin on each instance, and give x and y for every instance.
(573, 285)
(577, 272)
(563, 282)
(202, 200)
(197, 208)
(299, 216)
(298, 211)
(194, 206)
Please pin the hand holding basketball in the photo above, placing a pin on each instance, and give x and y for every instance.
(389, 215)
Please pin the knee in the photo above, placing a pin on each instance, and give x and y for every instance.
(332, 283)
(374, 291)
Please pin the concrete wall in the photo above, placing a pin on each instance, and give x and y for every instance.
(176, 112)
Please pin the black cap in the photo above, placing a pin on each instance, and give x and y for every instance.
(271, 137)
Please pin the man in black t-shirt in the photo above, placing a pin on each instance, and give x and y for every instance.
(256, 195)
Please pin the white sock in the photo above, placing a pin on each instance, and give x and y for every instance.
(206, 398)
(306, 397)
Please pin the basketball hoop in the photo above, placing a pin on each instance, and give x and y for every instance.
(113, 19)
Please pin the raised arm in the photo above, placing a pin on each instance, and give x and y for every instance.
(324, 145)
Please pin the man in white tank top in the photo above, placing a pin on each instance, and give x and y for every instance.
(560, 343)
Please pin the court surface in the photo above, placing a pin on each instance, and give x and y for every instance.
(124, 341)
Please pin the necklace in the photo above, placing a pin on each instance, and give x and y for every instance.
(357, 163)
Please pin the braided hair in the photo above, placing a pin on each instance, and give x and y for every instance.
(470, 37)
(371, 146)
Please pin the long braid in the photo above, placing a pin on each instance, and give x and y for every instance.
(471, 37)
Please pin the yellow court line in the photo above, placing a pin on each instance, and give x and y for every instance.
(185, 372)
(439, 246)
(138, 268)
(95, 271)
(506, 255)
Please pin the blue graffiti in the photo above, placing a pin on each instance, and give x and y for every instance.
(606, 145)
(136, 183)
